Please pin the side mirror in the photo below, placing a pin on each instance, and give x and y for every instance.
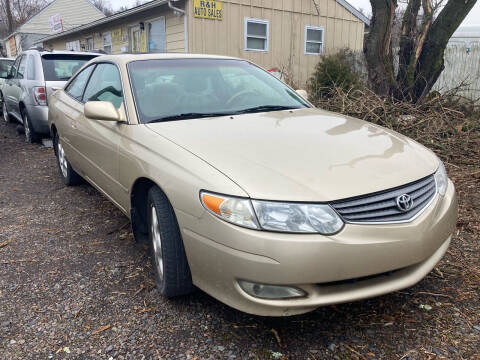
(102, 110)
(303, 94)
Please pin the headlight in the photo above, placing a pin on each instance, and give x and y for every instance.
(441, 179)
(297, 217)
(235, 210)
(273, 216)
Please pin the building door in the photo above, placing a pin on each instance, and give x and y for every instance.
(156, 36)
(89, 43)
(136, 39)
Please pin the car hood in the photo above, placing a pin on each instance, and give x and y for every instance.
(302, 155)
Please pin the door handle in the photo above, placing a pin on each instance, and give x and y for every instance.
(54, 88)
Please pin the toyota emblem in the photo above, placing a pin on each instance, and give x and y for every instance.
(404, 202)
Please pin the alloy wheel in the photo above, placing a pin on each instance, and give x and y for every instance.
(26, 126)
(4, 111)
(62, 160)
(156, 241)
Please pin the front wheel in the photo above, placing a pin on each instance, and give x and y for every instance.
(69, 176)
(170, 265)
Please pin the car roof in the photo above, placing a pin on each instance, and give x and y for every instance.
(127, 58)
(60, 52)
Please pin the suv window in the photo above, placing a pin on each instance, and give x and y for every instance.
(76, 87)
(61, 67)
(22, 67)
(13, 70)
(31, 75)
(105, 85)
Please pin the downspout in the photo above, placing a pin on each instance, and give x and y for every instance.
(178, 11)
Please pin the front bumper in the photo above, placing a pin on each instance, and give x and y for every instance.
(220, 254)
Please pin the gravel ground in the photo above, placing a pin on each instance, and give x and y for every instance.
(74, 285)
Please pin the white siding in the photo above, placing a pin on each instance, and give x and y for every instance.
(73, 12)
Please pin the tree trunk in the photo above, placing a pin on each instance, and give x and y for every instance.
(379, 56)
(8, 11)
(431, 60)
(407, 42)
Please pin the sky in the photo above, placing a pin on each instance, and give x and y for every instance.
(473, 17)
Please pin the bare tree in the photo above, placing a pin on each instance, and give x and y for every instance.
(15, 13)
(104, 6)
(426, 27)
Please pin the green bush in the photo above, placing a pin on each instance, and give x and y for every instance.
(333, 72)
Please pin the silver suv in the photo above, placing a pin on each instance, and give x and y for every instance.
(33, 77)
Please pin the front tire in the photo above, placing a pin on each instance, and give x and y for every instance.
(169, 261)
(30, 135)
(68, 175)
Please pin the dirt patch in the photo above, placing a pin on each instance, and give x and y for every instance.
(74, 285)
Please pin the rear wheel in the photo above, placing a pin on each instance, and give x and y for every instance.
(69, 176)
(30, 135)
(170, 265)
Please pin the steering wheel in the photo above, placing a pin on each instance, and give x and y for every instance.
(239, 95)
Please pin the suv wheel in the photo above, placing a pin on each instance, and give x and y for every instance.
(170, 265)
(30, 135)
(69, 176)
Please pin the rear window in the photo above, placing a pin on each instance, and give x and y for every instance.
(62, 67)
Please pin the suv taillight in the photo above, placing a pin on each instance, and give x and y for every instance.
(40, 94)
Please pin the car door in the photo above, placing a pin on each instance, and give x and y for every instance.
(97, 140)
(8, 88)
(16, 88)
(69, 110)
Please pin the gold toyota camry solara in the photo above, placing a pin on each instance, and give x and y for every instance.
(245, 190)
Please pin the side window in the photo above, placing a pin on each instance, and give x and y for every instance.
(13, 70)
(5, 67)
(22, 67)
(31, 68)
(105, 85)
(76, 87)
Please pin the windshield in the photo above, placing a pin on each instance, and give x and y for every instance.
(177, 89)
(61, 67)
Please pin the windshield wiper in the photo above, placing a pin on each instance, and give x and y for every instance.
(265, 108)
(186, 116)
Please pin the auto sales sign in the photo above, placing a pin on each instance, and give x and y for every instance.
(208, 9)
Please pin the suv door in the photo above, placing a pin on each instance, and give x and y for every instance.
(16, 90)
(8, 87)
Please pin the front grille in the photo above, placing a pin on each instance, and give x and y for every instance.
(382, 207)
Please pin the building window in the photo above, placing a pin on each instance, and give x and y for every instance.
(313, 40)
(90, 44)
(256, 34)
(107, 43)
(73, 45)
